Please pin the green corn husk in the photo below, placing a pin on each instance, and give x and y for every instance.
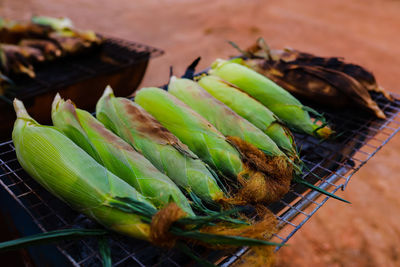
(261, 178)
(221, 116)
(192, 129)
(57, 24)
(71, 40)
(70, 174)
(251, 110)
(116, 155)
(138, 128)
(279, 101)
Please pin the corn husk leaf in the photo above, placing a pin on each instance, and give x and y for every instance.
(105, 252)
(138, 128)
(116, 155)
(50, 237)
(316, 188)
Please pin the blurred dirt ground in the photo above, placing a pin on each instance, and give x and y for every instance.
(366, 233)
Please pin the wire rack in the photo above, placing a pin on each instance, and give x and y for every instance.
(329, 165)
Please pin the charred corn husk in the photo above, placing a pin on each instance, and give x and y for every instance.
(251, 110)
(69, 38)
(279, 101)
(73, 176)
(70, 43)
(137, 127)
(261, 177)
(328, 81)
(225, 120)
(18, 59)
(13, 31)
(48, 48)
(116, 155)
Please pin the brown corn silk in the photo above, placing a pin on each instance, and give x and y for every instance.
(162, 222)
(259, 256)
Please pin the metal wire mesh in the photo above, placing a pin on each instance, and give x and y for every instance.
(329, 165)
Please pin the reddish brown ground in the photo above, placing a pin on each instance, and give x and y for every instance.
(366, 233)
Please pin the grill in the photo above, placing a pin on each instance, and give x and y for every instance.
(82, 78)
(113, 55)
(329, 165)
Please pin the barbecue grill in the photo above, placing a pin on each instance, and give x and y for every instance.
(329, 165)
(81, 78)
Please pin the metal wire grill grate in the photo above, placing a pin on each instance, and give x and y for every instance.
(329, 165)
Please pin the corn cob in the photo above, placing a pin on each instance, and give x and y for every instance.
(252, 110)
(137, 127)
(279, 101)
(116, 155)
(72, 175)
(261, 178)
(221, 116)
